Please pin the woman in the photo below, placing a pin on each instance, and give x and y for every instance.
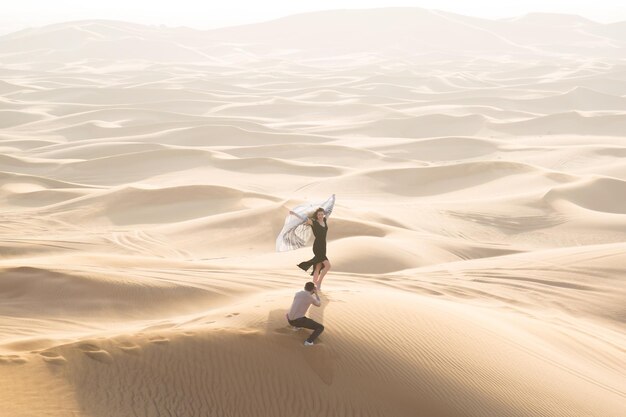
(320, 263)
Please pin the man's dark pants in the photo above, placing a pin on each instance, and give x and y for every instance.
(307, 323)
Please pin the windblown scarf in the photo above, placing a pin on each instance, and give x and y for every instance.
(296, 233)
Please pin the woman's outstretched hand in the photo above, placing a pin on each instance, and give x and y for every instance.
(307, 221)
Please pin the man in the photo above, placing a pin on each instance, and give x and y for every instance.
(301, 303)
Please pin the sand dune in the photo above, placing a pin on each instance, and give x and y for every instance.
(539, 280)
(94, 149)
(477, 243)
(10, 118)
(442, 148)
(115, 117)
(131, 205)
(447, 182)
(337, 155)
(422, 126)
(211, 353)
(598, 194)
(568, 122)
(292, 110)
(94, 129)
(167, 161)
(87, 95)
(89, 296)
(7, 88)
(578, 98)
(33, 197)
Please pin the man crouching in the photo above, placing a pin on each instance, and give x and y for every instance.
(301, 303)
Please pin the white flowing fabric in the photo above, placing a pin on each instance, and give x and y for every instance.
(296, 233)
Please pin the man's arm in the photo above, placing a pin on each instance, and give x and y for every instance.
(315, 299)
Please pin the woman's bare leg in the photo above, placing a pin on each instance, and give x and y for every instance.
(316, 273)
(321, 276)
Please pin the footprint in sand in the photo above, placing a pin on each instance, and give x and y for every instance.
(95, 353)
(12, 360)
(161, 326)
(130, 348)
(53, 358)
(159, 340)
(249, 332)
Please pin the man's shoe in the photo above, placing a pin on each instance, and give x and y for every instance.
(307, 343)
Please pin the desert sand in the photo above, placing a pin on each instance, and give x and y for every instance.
(477, 244)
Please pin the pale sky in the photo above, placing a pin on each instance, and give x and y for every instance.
(206, 14)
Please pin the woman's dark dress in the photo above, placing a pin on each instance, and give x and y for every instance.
(319, 247)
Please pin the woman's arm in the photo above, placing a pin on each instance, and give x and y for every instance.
(303, 218)
(297, 215)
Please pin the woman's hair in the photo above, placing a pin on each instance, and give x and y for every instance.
(317, 211)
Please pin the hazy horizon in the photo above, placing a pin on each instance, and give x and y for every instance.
(204, 17)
